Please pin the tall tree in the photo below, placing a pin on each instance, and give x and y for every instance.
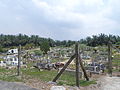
(45, 47)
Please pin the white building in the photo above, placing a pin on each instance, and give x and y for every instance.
(12, 60)
(13, 51)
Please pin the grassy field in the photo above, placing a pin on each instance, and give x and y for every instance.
(45, 76)
(66, 78)
(9, 75)
(116, 63)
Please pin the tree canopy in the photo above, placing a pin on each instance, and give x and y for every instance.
(35, 41)
(30, 41)
(45, 47)
(100, 39)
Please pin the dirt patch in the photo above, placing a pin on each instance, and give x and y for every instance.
(40, 85)
(110, 83)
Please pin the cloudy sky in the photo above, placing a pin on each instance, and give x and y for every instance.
(60, 19)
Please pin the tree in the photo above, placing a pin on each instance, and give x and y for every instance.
(29, 46)
(1, 49)
(51, 42)
(45, 47)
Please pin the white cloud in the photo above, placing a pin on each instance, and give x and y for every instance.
(18, 18)
(3, 5)
(61, 18)
(86, 16)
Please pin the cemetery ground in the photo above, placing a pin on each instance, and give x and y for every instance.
(39, 79)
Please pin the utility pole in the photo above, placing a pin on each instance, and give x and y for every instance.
(19, 59)
(110, 59)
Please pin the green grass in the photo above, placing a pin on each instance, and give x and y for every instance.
(1, 59)
(82, 83)
(54, 60)
(116, 70)
(58, 60)
(3, 70)
(9, 75)
(87, 83)
(65, 79)
(116, 60)
(45, 75)
(69, 79)
(116, 63)
(10, 78)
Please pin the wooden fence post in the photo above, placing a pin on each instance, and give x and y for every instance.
(77, 65)
(19, 59)
(110, 58)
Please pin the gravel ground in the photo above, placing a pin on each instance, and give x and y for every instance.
(110, 83)
(40, 85)
(14, 86)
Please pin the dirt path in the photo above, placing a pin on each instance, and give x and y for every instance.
(110, 83)
(40, 85)
(14, 86)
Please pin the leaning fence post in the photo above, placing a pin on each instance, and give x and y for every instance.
(63, 69)
(83, 69)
